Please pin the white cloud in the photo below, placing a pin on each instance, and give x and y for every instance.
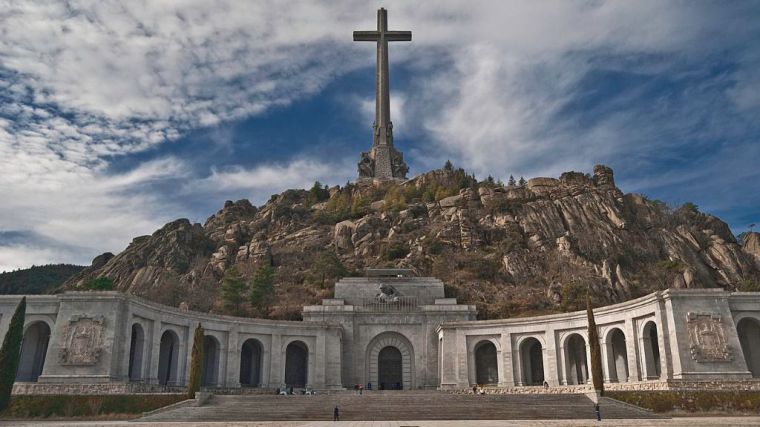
(270, 178)
(83, 83)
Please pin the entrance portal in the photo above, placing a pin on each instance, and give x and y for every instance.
(532, 362)
(486, 363)
(389, 369)
(390, 362)
(33, 350)
(296, 364)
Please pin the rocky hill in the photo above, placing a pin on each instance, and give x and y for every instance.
(510, 249)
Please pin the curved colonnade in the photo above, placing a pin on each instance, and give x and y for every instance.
(663, 336)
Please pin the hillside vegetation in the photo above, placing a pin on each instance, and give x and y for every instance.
(513, 249)
(37, 279)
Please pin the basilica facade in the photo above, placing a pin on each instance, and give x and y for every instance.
(387, 330)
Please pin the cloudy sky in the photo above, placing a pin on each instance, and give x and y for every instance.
(118, 116)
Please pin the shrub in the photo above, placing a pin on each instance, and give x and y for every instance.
(317, 193)
(262, 289)
(196, 363)
(233, 288)
(572, 294)
(31, 406)
(691, 401)
(596, 351)
(395, 250)
(10, 353)
(99, 284)
(327, 266)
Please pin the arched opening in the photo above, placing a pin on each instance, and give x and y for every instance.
(532, 362)
(33, 351)
(400, 348)
(210, 361)
(575, 356)
(651, 351)
(389, 369)
(296, 364)
(486, 363)
(749, 339)
(251, 363)
(168, 356)
(617, 356)
(136, 346)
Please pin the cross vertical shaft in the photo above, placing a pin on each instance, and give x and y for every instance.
(382, 159)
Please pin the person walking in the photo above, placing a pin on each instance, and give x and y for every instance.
(336, 413)
(361, 389)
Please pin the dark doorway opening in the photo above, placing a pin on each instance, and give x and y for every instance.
(296, 364)
(389, 369)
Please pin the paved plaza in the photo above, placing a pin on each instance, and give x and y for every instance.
(673, 422)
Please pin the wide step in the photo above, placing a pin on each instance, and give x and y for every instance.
(404, 405)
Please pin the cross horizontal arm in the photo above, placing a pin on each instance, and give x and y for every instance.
(398, 36)
(366, 36)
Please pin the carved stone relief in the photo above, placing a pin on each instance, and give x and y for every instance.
(707, 338)
(83, 340)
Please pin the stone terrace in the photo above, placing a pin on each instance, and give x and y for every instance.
(405, 405)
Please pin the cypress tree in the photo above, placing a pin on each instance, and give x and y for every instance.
(196, 363)
(596, 350)
(10, 354)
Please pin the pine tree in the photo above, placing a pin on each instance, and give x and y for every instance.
(233, 288)
(448, 166)
(262, 289)
(596, 350)
(328, 266)
(511, 181)
(522, 181)
(10, 354)
(196, 363)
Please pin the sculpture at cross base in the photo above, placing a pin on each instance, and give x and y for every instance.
(383, 161)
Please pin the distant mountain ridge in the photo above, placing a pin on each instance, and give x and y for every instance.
(512, 249)
(38, 279)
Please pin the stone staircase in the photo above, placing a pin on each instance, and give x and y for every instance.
(399, 406)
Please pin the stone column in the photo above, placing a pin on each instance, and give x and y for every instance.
(550, 360)
(275, 366)
(448, 369)
(463, 380)
(318, 379)
(662, 341)
(155, 352)
(631, 350)
(506, 374)
(607, 364)
(563, 364)
(232, 362)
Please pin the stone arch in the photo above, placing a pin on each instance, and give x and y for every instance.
(748, 330)
(404, 347)
(136, 353)
(34, 348)
(486, 363)
(651, 351)
(576, 365)
(211, 350)
(297, 364)
(168, 358)
(251, 363)
(531, 362)
(617, 355)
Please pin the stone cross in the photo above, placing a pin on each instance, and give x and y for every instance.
(383, 161)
